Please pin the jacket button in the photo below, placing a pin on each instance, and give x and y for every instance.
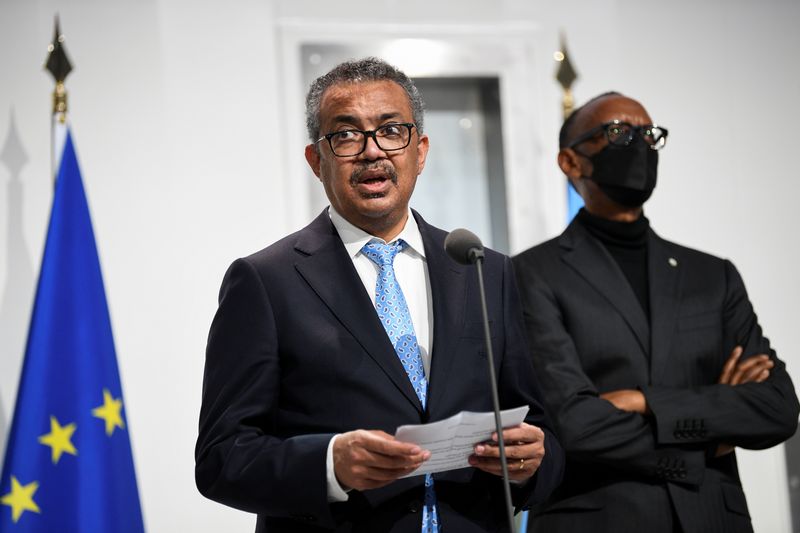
(414, 506)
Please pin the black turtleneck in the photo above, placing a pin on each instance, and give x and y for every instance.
(627, 244)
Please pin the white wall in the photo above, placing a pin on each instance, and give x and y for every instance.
(176, 114)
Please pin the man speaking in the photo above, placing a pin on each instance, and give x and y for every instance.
(328, 340)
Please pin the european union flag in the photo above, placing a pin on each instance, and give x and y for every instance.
(68, 465)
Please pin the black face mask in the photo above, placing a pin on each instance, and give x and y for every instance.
(627, 174)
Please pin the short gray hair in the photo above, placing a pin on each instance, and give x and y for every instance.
(362, 70)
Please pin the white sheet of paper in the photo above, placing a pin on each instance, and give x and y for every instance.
(452, 441)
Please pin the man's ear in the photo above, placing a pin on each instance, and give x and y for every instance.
(422, 152)
(570, 163)
(312, 157)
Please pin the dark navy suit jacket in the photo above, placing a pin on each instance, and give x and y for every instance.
(631, 473)
(296, 354)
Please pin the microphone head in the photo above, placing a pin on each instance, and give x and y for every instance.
(463, 246)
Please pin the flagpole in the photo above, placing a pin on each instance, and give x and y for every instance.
(59, 66)
(566, 76)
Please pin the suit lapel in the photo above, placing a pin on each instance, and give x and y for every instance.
(324, 264)
(664, 273)
(592, 261)
(448, 293)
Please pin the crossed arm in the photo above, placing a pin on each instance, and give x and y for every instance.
(755, 369)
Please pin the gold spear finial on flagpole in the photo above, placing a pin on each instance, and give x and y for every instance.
(566, 76)
(59, 66)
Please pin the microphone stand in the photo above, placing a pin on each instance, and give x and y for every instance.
(476, 255)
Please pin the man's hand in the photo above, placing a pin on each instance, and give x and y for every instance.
(370, 459)
(524, 445)
(754, 369)
(630, 400)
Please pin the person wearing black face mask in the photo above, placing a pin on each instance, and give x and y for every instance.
(651, 359)
(625, 169)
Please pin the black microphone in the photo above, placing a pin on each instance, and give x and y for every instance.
(466, 248)
(463, 246)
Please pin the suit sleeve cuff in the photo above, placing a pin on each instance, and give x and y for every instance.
(677, 417)
(336, 493)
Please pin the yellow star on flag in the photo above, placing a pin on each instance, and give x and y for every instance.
(59, 439)
(110, 411)
(20, 499)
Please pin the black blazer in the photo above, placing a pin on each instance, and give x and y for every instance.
(296, 354)
(589, 335)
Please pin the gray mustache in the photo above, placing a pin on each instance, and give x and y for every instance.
(387, 169)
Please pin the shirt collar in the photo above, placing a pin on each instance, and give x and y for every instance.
(355, 238)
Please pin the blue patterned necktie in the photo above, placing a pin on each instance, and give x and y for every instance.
(396, 319)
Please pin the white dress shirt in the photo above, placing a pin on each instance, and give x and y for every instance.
(411, 270)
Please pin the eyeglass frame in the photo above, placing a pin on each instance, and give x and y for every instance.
(367, 134)
(658, 145)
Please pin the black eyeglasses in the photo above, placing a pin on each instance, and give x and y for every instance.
(389, 137)
(621, 133)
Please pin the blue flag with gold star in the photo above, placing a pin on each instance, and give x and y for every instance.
(68, 464)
